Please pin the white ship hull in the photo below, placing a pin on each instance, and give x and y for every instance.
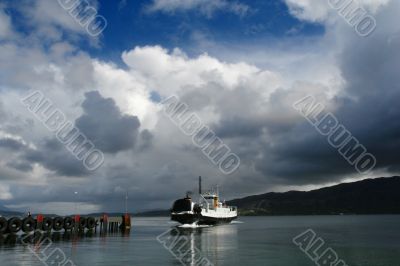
(203, 218)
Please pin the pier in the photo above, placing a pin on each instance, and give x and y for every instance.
(76, 223)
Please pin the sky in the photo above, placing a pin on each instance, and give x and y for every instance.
(237, 64)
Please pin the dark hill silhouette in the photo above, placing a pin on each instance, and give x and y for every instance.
(370, 196)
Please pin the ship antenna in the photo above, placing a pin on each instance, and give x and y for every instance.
(200, 185)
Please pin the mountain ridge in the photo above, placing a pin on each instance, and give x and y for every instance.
(369, 196)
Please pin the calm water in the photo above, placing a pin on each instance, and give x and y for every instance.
(358, 240)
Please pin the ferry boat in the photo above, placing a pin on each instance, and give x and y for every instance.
(207, 211)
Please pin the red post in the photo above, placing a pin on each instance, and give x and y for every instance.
(39, 218)
(39, 221)
(104, 223)
(127, 221)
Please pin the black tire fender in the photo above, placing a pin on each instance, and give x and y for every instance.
(68, 223)
(3, 225)
(47, 224)
(14, 225)
(58, 223)
(82, 223)
(28, 224)
(91, 223)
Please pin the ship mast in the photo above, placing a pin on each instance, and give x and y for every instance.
(200, 185)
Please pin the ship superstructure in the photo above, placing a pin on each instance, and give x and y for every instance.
(208, 210)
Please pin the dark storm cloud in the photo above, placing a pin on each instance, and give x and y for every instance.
(299, 154)
(372, 71)
(302, 156)
(50, 153)
(145, 140)
(20, 165)
(290, 150)
(102, 122)
(271, 136)
(105, 125)
(371, 113)
(11, 144)
(239, 127)
(55, 157)
(12, 149)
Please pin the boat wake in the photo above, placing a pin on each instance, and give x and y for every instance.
(194, 225)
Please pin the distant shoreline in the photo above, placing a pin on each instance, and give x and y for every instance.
(377, 196)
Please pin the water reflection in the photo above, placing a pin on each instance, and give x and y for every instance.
(10, 240)
(202, 245)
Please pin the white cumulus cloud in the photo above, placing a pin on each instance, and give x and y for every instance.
(320, 10)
